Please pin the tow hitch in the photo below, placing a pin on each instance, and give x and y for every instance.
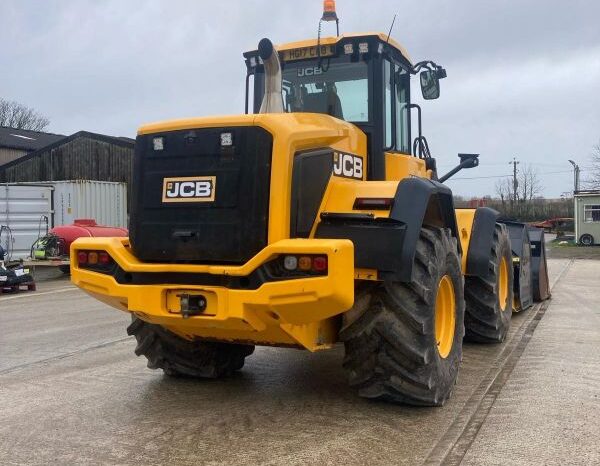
(192, 305)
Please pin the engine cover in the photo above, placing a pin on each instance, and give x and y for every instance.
(201, 195)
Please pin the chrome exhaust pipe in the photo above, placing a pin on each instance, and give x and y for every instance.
(272, 101)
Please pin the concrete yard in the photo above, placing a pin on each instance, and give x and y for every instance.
(72, 391)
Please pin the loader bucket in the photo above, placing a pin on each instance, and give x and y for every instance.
(522, 265)
(539, 267)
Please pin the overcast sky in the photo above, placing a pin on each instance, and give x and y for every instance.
(523, 75)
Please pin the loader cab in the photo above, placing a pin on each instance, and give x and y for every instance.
(363, 79)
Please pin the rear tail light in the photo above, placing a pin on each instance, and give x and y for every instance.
(82, 257)
(373, 203)
(99, 261)
(104, 258)
(290, 262)
(320, 264)
(305, 264)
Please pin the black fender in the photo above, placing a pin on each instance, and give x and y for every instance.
(389, 244)
(418, 202)
(480, 244)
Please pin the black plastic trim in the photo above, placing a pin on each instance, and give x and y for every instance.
(268, 272)
(388, 244)
(418, 202)
(310, 177)
(377, 241)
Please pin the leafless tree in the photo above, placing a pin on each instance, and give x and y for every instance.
(16, 115)
(504, 190)
(518, 203)
(594, 180)
(530, 185)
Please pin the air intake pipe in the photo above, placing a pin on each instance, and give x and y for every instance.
(272, 99)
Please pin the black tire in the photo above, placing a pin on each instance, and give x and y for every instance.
(179, 357)
(389, 334)
(66, 269)
(486, 319)
(586, 240)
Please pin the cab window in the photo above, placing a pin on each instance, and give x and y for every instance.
(402, 82)
(336, 87)
(388, 88)
(396, 81)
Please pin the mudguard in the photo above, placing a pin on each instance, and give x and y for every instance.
(388, 244)
(418, 202)
(480, 244)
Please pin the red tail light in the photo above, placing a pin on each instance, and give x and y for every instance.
(104, 258)
(82, 257)
(320, 263)
(99, 261)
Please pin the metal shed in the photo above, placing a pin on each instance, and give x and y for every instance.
(587, 217)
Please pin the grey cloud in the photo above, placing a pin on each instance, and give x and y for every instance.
(523, 75)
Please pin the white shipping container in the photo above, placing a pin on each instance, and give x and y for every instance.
(27, 211)
(30, 209)
(103, 201)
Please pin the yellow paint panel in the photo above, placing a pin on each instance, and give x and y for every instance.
(400, 166)
(341, 193)
(464, 220)
(334, 40)
(366, 274)
(296, 309)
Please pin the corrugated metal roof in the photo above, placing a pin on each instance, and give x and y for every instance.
(14, 138)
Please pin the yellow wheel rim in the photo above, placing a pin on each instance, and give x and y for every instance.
(503, 284)
(445, 316)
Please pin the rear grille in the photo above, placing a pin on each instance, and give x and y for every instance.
(232, 227)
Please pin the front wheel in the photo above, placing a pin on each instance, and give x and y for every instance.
(403, 341)
(586, 240)
(490, 298)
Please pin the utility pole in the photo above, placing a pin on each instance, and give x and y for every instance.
(575, 176)
(514, 163)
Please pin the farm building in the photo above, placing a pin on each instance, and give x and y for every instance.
(15, 143)
(81, 156)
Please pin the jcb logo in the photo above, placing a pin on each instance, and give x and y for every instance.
(189, 189)
(310, 71)
(347, 165)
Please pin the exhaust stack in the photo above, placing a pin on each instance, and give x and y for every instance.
(272, 100)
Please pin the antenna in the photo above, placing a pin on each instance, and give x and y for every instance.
(391, 27)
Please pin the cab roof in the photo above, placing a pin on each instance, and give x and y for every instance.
(334, 40)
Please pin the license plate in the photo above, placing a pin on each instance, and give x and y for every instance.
(308, 52)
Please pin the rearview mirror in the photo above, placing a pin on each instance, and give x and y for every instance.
(469, 160)
(430, 85)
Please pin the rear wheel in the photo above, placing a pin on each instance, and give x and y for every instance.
(586, 240)
(489, 299)
(179, 357)
(404, 340)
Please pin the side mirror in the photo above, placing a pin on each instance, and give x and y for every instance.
(466, 161)
(469, 160)
(430, 84)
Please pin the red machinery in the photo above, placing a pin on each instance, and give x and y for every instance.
(84, 227)
(53, 248)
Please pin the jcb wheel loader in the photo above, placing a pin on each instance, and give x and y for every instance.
(313, 219)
